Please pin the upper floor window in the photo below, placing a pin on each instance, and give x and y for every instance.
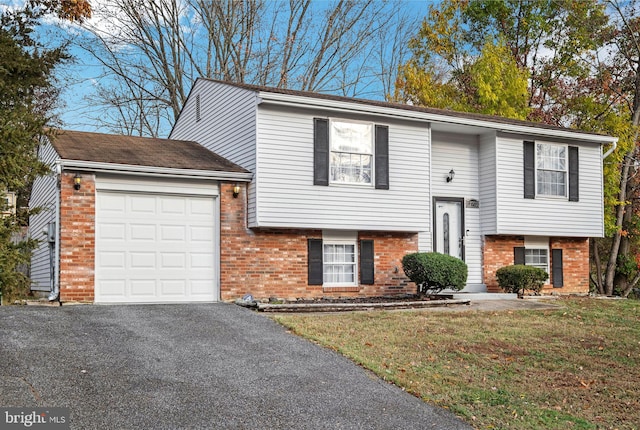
(551, 170)
(350, 152)
(351, 159)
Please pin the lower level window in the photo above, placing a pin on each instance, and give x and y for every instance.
(537, 257)
(339, 264)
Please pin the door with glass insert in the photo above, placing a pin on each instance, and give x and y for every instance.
(449, 227)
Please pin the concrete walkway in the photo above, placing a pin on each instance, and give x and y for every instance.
(191, 367)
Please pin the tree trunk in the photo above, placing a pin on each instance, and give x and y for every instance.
(621, 209)
(595, 252)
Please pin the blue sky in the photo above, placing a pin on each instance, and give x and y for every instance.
(78, 78)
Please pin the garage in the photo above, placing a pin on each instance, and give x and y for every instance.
(154, 248)
(131, 219)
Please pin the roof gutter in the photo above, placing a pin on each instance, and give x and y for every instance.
(130, 169)
(337, 105)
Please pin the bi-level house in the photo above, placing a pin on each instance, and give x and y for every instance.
(318, 195)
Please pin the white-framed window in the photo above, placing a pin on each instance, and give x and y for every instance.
(536, 252)
(340, 267)
(537, 257)
(551, 170)
(351, 146)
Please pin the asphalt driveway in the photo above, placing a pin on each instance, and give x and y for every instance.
(191, 366)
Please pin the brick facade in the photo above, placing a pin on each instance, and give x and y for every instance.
(273, 262)
(498, 252)
(575, 262)
(77, 238)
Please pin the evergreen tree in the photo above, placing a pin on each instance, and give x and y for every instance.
(27, 97)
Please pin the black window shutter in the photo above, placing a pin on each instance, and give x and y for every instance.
(574, 187)
(518, 255)
(556, 268)
(529, 170)
(315, 261)
(382, 157)
(366, 262)
(320, 151)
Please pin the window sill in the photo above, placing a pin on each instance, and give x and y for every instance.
(344, 289)
(351, 184)
(550, 197)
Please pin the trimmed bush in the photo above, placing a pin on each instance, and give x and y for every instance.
(433, 272)
(520, 278)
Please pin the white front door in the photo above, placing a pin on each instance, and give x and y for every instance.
(449, 228)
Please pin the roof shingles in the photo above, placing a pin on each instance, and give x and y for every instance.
(406, 107)
(139, 151)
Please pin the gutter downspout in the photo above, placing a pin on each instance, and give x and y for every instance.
(610, 150)
(55, 287)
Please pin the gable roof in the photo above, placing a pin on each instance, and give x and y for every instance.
(428, 114)
(110, 149)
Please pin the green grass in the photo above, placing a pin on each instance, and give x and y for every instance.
(577, 367)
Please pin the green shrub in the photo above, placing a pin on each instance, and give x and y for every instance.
(520, 278)
(14, 257)
(433, 272)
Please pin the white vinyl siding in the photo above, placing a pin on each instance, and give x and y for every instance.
(227, 125)
(487, 182)
(43, 195)
(287, 197)
(547, 216)
(460, 153)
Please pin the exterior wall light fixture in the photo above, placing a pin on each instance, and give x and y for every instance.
(451, 175)
(236, 191)
(77, 181)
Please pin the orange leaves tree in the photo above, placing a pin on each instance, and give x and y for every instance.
(578, 63)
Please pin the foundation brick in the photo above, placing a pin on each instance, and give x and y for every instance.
(498, 252)
(273, 262)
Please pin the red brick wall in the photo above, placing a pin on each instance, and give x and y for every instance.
(498, 252)
(273, 262)
(575, 265)
(389, 248)
(77, 238)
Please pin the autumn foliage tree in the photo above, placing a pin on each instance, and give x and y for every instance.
(491, 84)
(580, 64)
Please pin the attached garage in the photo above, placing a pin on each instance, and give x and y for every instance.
(136, 220)
(155, 247)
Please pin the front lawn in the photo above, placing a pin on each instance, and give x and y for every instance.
(573, 368)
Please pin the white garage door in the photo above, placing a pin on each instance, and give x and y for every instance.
(154, 248)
